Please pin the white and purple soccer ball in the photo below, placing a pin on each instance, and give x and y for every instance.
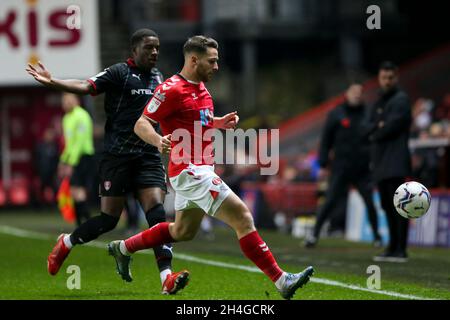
(412, 200)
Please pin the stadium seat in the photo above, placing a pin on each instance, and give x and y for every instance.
(18, 193)
(2, 195)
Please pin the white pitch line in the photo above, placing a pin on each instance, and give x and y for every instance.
(315, 279)
(97, 244)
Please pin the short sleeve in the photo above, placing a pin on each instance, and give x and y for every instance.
(163, 103)
(108, 79)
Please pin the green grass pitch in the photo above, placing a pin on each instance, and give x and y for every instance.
(215, 267)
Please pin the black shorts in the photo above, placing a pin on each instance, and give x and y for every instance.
(83, 173)
(120, 175)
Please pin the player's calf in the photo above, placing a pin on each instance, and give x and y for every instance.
(93, 228)
(255, 249)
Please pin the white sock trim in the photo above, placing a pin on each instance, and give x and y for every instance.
(280, 282)
(123, 248)
(163, 274)
(67, 241)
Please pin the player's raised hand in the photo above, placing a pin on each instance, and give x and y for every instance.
(165, 145)
(40, 73)
(228, 121)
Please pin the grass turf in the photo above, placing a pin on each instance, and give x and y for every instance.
(24, 275)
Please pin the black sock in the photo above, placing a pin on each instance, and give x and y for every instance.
(81, 211)
(163, 254)
(93, 228)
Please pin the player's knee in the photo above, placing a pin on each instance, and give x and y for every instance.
(109, 222)
(246, 223)
(155, 215)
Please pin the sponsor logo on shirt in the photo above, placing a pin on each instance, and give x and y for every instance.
(141, 91)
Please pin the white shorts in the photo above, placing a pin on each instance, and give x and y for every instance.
(199, 187)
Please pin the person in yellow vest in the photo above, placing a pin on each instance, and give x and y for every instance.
(77, 159)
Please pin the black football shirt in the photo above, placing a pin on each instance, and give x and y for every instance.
(127, 90)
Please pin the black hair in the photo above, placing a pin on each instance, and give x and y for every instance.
(388, 65)
(354, 81)
(140, 34)
(199, 44)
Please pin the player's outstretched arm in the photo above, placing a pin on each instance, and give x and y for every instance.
(42, 75)
(228, 121)
(144, 129)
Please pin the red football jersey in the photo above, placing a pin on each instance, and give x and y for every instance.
(185, 110)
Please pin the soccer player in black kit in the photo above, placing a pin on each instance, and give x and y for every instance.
(128, 163)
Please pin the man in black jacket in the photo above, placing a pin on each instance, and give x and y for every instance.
(345, 135)
(389, 125)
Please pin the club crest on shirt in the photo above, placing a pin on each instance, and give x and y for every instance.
(153, 105)
(217, 181)
(161, 96)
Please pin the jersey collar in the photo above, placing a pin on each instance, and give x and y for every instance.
(189, 81)
(130, 62)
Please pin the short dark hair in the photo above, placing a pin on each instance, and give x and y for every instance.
(199, 44)
(353, 80)
(388, 65)
(140, 34)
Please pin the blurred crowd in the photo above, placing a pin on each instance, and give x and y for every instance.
(431, 132)
(431, 119)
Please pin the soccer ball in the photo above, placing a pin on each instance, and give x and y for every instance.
(412, 200)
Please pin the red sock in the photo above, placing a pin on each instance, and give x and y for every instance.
(150, 238)
(257, 251)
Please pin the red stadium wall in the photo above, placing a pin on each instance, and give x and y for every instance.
(26, 115)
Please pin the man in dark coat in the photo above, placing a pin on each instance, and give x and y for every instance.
(389, 125)
(345, 134)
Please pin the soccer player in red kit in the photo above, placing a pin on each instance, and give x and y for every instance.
(180, 105)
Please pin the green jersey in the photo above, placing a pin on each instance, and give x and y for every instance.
(78, 136)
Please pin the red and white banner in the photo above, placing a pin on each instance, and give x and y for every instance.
(63, 34)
